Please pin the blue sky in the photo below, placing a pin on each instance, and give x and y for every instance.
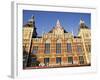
(46, 20)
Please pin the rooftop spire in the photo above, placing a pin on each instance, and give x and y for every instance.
(81, 21)
(58, 23)
(32, 19)
(82, 24)
(31, 22)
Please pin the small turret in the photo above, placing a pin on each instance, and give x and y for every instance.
(82, 24)
(32, 22)
(58, 24)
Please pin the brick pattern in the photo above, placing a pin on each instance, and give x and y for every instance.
(64, 54)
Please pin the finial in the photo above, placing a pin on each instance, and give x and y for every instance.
(32, 19)
(81, 21)
(58, 24)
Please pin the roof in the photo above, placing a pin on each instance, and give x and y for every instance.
(58, 25)
(83, 25)
(30, 22)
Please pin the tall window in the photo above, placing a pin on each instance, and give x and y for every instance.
(58, 48)
(33, 59)
(46, 60)
(81, 59)
(69, 48)
(58, 59)
(47, 48)
(35, 49)
(79, 49)
(70, 60)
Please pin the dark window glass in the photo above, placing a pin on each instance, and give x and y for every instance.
(81, 59)
(58, 48)
(46, 60)
(35, 49)
(47, 48)
(33, 59)
(70, 60)
(58, 60)
(69, 48)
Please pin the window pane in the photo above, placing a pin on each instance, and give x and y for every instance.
(79, 49)
(69, 48)
(81, 59)
(35, 49)
(70, 60)
(47, 51)
(33, 59)
(47, 47)
(58, 47)
(58, 60)
(46, 60)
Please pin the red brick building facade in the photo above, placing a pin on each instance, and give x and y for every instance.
(61, 48)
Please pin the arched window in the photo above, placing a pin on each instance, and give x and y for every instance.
(79, 49)
(47, 46)
(69, 48)
(58, 46)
